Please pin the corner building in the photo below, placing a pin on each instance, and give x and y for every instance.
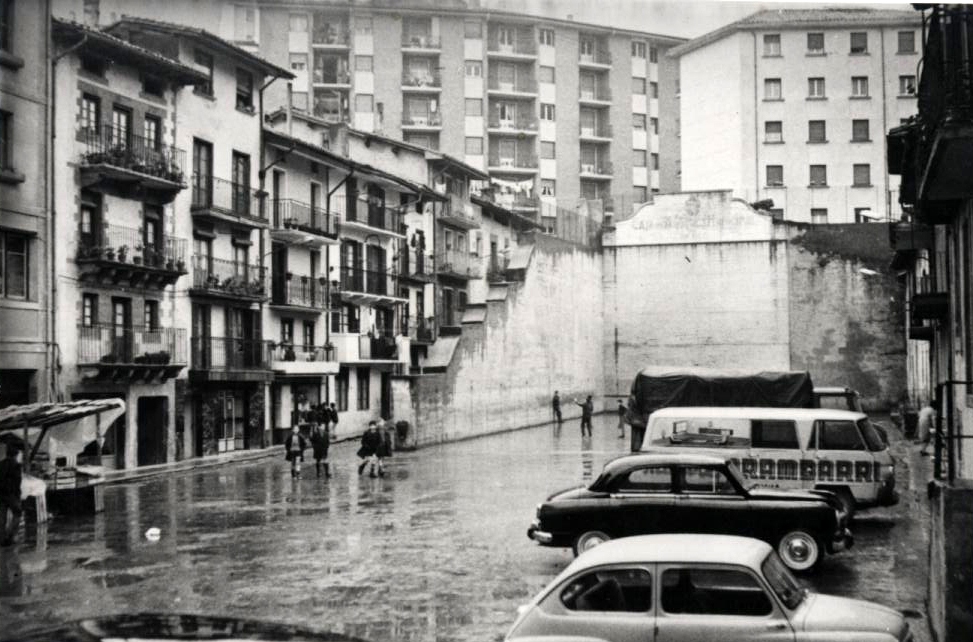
(797, 109)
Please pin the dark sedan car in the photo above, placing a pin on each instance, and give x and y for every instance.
(687, 493)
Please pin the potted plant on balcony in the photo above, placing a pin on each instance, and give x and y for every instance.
(180, 265)
(137, 256)
(122, 254)
(322, 280)
(289, 354)
(110, 253)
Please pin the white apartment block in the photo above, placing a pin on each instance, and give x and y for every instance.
(793, 106)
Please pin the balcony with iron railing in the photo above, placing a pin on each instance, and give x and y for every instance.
(362, 285)
(420, 329)
(117, 255)
(596, 169)
(298, 222)
(303, 359)
(370, 215)
(116, 157)
(322, 76)
(457, 212)
(330, 31)
(597, 95)
(378, 346)
(423, 42)
(416, 265)
(229, 358)
(421, 81)
(497, 268)
(225, 201)
(299, 291)
(520, 86)
(429, 120)
(520, 124)
(228, 279)
(516, 201)
(594, 57)
(522, 46)
(456, 263)
(600, 132)
(136, 353)
(520, 161)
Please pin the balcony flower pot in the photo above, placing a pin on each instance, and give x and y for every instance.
(289, 354)
(303, 280)
(181, 265)
(123, 254)
(110, 253)
(108, 358)
(322, 280)
(137, 260)
(170, 264)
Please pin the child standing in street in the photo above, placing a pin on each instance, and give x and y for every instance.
(320, 442)
(294, 447)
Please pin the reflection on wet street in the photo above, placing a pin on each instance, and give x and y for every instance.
(436, 550)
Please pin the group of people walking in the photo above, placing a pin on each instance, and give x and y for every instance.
(587, 410)
(376, 445)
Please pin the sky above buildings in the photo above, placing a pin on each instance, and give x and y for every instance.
(685, 18)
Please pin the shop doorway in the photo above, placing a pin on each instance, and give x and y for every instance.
(153, 424)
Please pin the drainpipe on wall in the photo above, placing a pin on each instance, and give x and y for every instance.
(756, 124)
(886, 197)
(261, 177)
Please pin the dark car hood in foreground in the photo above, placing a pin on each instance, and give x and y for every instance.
(165, 626)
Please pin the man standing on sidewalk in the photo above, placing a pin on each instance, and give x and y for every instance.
(621, 419)
(334, 420)
(556, 407)
(925, 426)
(587, 408)
(11, 476)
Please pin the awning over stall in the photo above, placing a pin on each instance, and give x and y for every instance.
(67, 426)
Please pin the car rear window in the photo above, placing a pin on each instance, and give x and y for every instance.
(773, 434)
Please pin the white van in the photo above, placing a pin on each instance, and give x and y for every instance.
(809, 448)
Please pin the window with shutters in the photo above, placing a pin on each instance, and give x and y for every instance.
(816, 132)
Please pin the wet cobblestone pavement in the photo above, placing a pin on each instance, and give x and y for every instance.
(435, 551)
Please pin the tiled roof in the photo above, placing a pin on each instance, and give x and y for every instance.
(802, 19)
(134, 55)
(205, 37)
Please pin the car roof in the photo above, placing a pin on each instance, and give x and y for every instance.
(686, 459)
(733, 412)
(675, 548)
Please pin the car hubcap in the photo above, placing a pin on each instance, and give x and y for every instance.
(593, 541)
(798, 550)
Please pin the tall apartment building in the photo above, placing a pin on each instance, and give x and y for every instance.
(26, 318)
(791, 105)
(556, 111)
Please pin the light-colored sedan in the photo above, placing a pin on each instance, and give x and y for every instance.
(698, 588)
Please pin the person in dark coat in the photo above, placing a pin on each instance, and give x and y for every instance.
(587, 408)
(334, 419)
(556, 406)
(371, 443)
(294, 447)
(320, 442)
(11, 476)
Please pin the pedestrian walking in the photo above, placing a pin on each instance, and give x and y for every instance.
(556, 406)
(388, 439)
(371, 442)
(294, 447)
(621, 419)
(334, 420)
(320, 442)
(322, 415)
(925, 426)
(587, 408)
(11, 476)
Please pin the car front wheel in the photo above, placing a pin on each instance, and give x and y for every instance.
(799, 550)
(589, 540)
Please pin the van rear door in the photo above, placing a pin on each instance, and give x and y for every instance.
(775, 454)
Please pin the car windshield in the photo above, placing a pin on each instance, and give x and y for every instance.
(872, 438)
(782, 582)
(734, 472)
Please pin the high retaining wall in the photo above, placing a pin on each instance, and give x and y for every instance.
(951, 561)
(846, 321)
(536, 336)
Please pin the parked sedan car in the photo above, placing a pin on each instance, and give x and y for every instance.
(699, 588)
(692, 493)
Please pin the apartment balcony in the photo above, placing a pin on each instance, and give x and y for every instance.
(420, 330)
(421, 83)
(330, 35)
(600, 96)
(456, 264)
(522, 125)
(352, 347)
(117, 256)
(229, 359)
(222, 201)
(596, 170)
(600, 133)
(130, 166)
(431, 122)
(300, 223)
(331, 105)
(497, 269)
(332, 79)
(522, 87)
(302, 360)
(133, 354)
(416, 266)
(366, 287)
(220, 278)
(518, 202)
(420, 44)
(599, 58)
(299, 293)
(367, 216)
(523, 47)
(518, 163)
(458, 213)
